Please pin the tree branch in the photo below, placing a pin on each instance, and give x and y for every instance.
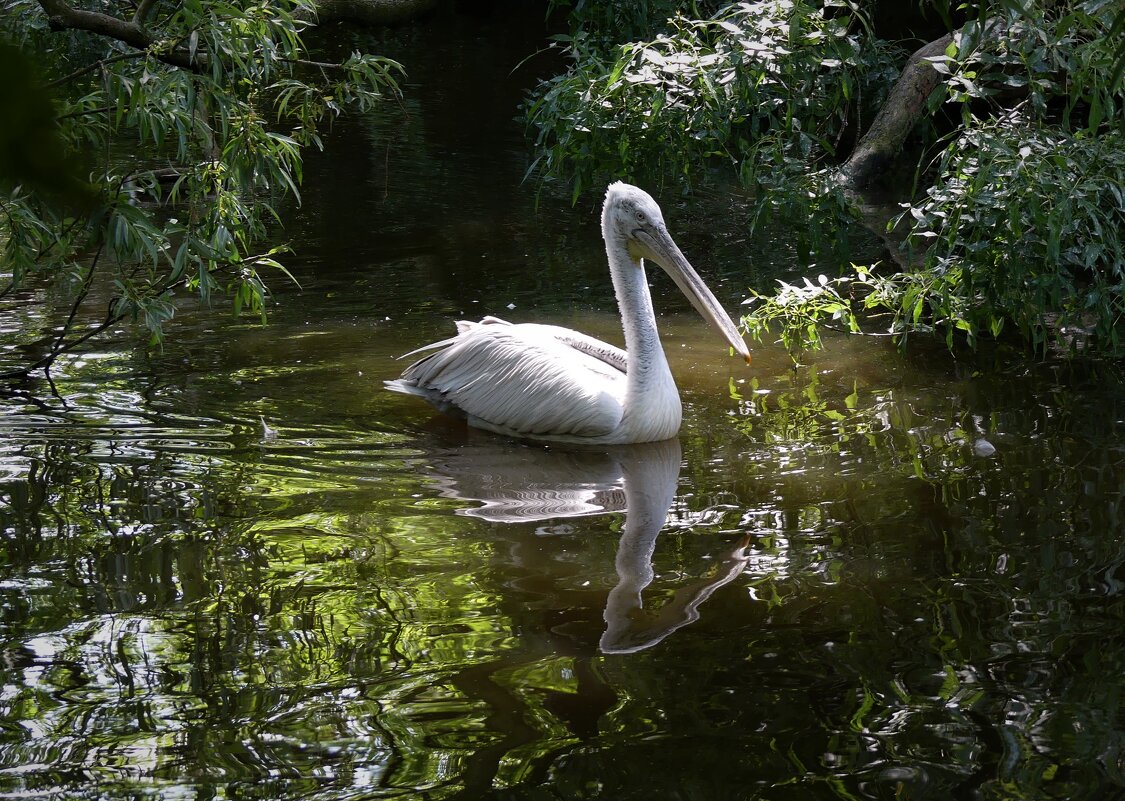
(85, 112)
(63, 16)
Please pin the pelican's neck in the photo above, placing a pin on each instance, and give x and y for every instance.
(648, 378)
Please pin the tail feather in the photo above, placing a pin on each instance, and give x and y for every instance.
(406, 388)
(432, 396)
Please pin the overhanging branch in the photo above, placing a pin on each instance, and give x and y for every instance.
(63, 16)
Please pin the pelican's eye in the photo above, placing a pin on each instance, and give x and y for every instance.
(641, 218)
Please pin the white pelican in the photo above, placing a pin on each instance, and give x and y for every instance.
(546, 382)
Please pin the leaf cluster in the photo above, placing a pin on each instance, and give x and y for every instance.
(799, 311)
(1056, 63)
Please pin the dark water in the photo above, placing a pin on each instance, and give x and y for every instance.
(880, 577)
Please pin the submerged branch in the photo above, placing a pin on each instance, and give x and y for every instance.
(60, 345)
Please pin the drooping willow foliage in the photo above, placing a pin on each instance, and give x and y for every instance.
(153, 147)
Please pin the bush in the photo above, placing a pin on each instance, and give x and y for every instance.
(1027, 224)
(707, 92)
(1022, 227)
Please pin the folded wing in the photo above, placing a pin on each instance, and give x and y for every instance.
(527, 380)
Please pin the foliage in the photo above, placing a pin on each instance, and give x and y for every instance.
(1022, 226)
(708, 91)
(1027, 225)
(799, 311)
(189, 134)
(1056, 67)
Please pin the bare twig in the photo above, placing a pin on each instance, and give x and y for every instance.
(85, 112)
(61, 346)
(304, 62)
(97, 65)
(78, 300)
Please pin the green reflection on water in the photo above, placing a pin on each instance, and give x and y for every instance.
(308, 616)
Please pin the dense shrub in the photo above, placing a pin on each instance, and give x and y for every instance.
(706, 92)
(1028, 224)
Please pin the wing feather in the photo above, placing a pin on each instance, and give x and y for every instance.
(520, 379)
(603, 351)
(610, 354)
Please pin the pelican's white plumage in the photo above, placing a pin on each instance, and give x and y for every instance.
(552, 383)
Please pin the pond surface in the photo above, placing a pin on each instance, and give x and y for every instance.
(882, 576)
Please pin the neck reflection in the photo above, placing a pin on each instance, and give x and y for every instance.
(510, 482)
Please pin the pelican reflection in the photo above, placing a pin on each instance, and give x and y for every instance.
(509, 482)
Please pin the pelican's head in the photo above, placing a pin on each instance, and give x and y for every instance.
(631, 219)
(628, 210)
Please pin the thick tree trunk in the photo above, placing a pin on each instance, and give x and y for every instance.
(371, 12)
(897, 117)
(905, 105)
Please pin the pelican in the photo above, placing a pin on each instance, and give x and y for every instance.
(545, 382)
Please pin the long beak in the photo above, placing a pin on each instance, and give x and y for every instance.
(661, 249)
